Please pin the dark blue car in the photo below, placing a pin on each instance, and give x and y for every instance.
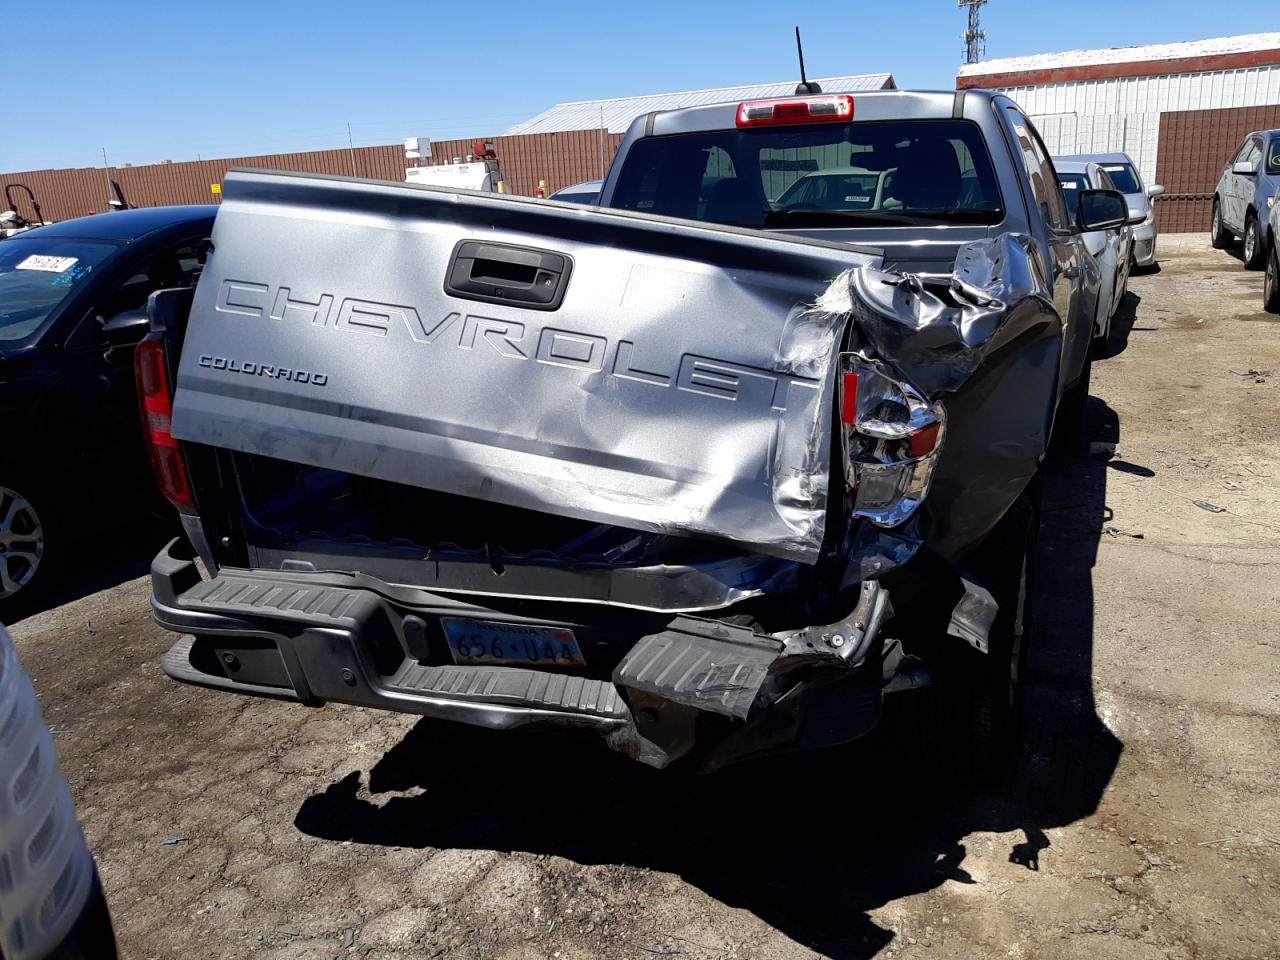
(1245, 193)
(73, 301)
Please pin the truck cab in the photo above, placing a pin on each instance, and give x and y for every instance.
(949, 169)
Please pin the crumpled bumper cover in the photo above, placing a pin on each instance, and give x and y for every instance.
(315, 638)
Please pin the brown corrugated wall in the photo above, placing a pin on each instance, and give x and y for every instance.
(1194, 147)
(559, 158)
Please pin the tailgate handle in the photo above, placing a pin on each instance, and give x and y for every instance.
(503, 273)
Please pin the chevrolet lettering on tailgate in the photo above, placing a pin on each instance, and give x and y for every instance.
(706, 376)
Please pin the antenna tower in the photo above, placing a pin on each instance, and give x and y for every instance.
(975, 38)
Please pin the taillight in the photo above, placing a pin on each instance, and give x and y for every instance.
(765, 113)
(892, 435)
(156, 404)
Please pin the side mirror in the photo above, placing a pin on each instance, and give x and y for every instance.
(1244, 168)
(1101, 210)
(1155, 191)
(128, 326)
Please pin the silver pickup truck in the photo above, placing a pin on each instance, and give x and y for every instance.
(705, 471)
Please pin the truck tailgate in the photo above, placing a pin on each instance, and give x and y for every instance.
(650, 373)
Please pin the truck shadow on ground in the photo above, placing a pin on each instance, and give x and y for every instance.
(810, 843)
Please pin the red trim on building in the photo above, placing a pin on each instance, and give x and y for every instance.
(1137, 68)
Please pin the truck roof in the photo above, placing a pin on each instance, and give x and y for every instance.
(871, 105)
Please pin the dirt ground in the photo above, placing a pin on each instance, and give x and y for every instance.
(1144, 822)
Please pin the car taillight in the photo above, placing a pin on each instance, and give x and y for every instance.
(765, 113)
(156, 404)
(892, 436)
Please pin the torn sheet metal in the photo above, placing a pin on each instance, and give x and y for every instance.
(676, 389)
(933, 344)
(989, 347)
(974, 615)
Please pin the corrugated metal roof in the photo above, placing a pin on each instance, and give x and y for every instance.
(616, 114)
(1243, 43)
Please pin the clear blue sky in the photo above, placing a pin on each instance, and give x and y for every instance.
(174, 80)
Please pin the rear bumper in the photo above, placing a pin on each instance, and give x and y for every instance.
(673, 686)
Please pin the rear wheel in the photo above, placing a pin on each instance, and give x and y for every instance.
(1271, 282)
(1253, 251)
(1218, 235)
(967, 724)
(24, 553)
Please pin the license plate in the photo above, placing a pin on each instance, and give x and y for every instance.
(484, 641)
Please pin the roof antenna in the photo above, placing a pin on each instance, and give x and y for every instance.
(804, 86)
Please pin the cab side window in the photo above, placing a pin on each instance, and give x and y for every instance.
(174, 267)
(1253, 156)
(1045, 189)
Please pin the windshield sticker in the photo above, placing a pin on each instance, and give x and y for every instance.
(47, 263)
(72, 275)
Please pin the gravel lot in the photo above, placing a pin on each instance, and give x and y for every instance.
(1145, 821)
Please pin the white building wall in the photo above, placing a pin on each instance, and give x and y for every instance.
(1137, 134)
(1123, 113)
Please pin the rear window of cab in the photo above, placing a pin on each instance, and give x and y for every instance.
(864, 173)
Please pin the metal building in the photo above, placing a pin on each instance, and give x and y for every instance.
(615, 115)
(1179, 109)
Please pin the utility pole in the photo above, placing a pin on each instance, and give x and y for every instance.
(352, 148)
(975, 38)
(601, 139)
(106, 170)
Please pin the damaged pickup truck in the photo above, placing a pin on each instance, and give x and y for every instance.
(706, 471)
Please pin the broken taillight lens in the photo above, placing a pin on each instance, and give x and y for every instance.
(892, 435)
(155, 402)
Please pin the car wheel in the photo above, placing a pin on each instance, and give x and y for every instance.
(967, 723)
(995, 681)
(1253, 252)
(1218, 235)
(1271, 282)
(24, 554)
